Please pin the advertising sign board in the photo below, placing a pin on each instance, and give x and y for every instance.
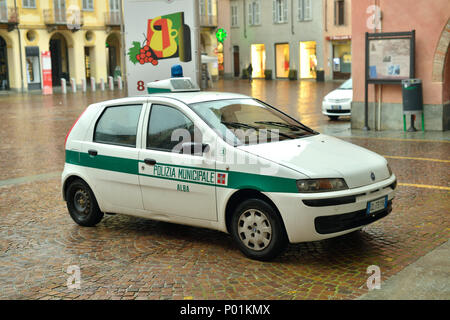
(47, 85)
(159, 34)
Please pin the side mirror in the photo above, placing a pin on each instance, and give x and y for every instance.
(194, 148)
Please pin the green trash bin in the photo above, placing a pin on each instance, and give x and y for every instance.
(412, 102)
(320, 75)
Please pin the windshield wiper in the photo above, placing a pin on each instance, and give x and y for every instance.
(293, 127)
(279, 124)
(239, 125)
(245, 125)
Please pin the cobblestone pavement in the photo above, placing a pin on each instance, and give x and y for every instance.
(132, 258)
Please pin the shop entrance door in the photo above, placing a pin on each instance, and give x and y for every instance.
(4, 78)
(308, 59)
(236, 61)
(258, 58)
(282, 60)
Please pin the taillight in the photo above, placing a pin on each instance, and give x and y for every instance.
(67, 136)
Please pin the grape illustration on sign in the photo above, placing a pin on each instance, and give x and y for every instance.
(166, 37)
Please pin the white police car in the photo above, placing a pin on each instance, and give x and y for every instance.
(222, 161)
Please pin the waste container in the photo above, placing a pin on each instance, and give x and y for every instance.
(412, 101)
(320, 75)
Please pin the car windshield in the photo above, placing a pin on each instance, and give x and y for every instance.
(249, 121)
(347, 85)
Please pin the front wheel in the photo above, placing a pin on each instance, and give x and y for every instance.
(258, 230)
(82, 205)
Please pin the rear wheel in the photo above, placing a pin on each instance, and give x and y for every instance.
(333, 117)
(82, 205)
(258, 230)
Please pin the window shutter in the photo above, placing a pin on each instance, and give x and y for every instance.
(250, 13)
(274, 11)
(285, 11)
(300, 10)
(308, 10)
(257, 12)
(202, 7)
(210, 11)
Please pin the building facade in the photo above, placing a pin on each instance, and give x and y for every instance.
(431, 22)
(225, 49)
(337, 21)
(208, 25)
(280, 38)
(83, 37)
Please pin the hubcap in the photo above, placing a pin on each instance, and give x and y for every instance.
(81, 201)
(254, 229)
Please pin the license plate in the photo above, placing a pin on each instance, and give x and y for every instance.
(336, 107)
(377, 205)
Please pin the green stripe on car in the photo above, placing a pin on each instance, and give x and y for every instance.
(236, 179)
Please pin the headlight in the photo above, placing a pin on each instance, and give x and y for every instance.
(321, 185)
(390, 170)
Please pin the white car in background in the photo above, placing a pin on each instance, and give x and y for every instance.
(339, 101)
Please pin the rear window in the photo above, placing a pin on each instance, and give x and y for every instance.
(118, 125)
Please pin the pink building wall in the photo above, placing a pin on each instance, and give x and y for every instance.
(330, 30)
(224, 21)
(429, 19)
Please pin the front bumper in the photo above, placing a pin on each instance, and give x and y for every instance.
(346, 221)
(344, 110)
(311, 217)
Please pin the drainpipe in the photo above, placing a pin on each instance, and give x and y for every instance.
(124, 51)
(377, 100)
(20, 48)
(381, 86)
(292, 16)
(245, 20)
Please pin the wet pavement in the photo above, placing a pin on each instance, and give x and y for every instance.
(132, 258)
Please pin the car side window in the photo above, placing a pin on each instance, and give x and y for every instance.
(167, 128)
(118, 125)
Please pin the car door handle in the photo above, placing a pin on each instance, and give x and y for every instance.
(150, 162)
(92, 152)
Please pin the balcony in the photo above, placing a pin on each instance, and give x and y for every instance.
(112, 19)
(56, 18)
(208, 21)
(9, 16)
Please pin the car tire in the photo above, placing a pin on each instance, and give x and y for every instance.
(82, 205)
(258, 230)
(333, 117)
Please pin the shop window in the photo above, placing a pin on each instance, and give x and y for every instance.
(282, 60)
(258, 58)
(33, 67)
(308, 59)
